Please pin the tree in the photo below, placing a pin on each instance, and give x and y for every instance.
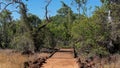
(68, 17)
(80, 4)
(64, 10)
(87, 34)
(34, 20)
(23, 35)
(113, 7)
(5, 20)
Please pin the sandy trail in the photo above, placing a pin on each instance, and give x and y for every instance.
(62, 59)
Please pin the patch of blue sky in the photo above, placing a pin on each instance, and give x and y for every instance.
(37, 7)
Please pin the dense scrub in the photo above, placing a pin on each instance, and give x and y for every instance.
(98, 34)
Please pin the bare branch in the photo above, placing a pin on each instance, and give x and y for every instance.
(10, 3)
(46, 10)
(7, 5)
(1, 4)
(46, 15)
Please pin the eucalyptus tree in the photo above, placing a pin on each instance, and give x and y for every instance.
(29, 26)
(67, 19)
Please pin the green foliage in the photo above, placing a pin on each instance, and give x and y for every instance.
(113, 27)
(91, 35)
(22, 43)
(86, 35)
(80, 2)
(59, 31)
(61, 24)
(5, 31)
(34, 20)
(80, 5)
(44, 38)
(64, 10)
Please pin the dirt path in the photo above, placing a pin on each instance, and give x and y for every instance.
(62, 59)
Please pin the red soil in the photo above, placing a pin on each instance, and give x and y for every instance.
(62, 59)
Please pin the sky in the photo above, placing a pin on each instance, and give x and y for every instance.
(37, 7)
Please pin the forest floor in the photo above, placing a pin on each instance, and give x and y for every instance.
(62, 59)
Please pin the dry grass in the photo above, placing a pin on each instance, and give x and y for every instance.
(104, 62)
(113, 64)
(8, 59)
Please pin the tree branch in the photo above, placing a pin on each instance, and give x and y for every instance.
(1, 4)
(46, 15)
(46, 10)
